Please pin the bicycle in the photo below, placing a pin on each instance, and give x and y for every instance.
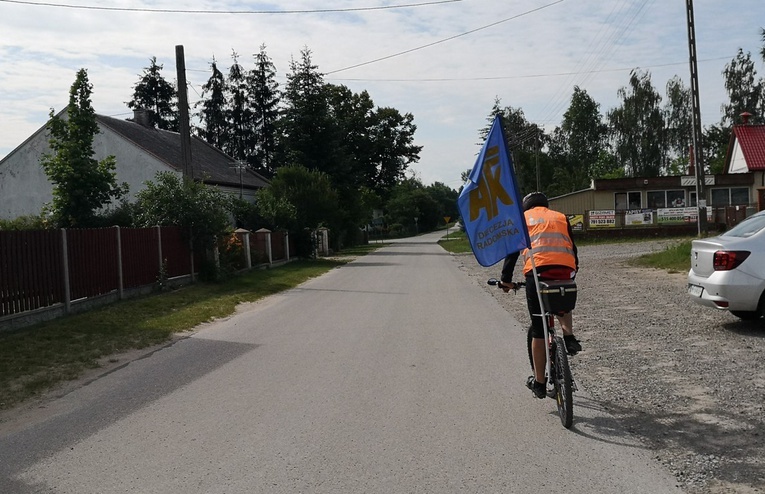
(560, 381)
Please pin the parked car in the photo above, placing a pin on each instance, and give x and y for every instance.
(728, 271)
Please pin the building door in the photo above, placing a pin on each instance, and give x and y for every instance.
(760, 199)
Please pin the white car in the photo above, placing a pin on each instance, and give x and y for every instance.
(728, 271)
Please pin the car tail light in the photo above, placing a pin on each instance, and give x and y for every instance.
(725, 260)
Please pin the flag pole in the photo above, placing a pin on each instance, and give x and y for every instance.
(542, 315)
(530, 252)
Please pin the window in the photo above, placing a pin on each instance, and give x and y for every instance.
(733, 196)
(620, 200)
(676, 198)
(627, 200)
(656, 199)
(739, 195)
(720, 197)
(666, 199)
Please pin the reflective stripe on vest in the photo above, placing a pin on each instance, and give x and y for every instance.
(550, 243)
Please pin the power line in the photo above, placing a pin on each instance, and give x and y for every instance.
(183, 11)
(525, 76)
(445, 39)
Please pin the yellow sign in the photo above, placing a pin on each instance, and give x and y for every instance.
(447, 218)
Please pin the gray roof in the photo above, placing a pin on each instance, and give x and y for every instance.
(209, 163)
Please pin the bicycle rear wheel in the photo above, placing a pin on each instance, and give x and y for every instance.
(562, 383)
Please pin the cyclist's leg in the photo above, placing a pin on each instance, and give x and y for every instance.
(566, 323)
(572, 344)
(538, 347)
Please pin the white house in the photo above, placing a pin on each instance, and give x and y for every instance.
(140, 151)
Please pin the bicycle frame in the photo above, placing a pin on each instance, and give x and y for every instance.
(561, 380)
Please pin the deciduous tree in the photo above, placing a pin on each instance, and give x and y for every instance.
(637, 127)
(746, 93)
(81, 184)
(679, 126)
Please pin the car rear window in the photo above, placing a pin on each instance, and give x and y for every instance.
(748, 227)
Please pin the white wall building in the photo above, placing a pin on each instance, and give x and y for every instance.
(141, 151)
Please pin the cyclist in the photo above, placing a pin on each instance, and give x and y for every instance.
(555, 257)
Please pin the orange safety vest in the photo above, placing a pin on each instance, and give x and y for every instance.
(551, 244)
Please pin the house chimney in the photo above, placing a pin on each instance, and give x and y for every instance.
(745, 117)
(142, 117)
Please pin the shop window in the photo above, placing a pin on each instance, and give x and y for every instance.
(620, 200)
(739, 195)
(676, 198)
(634, 200)
(627, 200)
(735, 196)
(656, 199)
(720, 197)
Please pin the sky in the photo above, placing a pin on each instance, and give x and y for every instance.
(444, 61)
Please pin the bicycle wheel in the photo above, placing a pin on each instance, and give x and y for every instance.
(562, 383)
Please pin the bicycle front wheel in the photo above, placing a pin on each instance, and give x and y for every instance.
(562, 383)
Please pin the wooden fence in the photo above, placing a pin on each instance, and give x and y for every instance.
(53, 268)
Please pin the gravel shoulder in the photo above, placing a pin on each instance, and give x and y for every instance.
(688, 381)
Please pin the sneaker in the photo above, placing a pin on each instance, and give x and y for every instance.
(536, 387)
(572, 344)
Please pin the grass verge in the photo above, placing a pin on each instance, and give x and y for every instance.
(675, 258)
(35, 359)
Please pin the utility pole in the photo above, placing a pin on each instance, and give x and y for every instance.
(537, 160)
(183, 113)
(240, 165)
(698, 154)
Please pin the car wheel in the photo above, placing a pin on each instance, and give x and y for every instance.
(753, 315)
(746, 315)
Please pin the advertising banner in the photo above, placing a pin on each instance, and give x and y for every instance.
(638, 217)
(603, 218)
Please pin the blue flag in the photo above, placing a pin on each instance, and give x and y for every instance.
(490, 205)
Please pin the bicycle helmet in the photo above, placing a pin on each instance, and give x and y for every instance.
(535, 199)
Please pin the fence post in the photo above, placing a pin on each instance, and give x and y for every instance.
(287, 245)
(120, 284)
(65, 263)
(245, 236)
(159, 247)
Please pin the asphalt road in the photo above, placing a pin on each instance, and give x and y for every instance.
(392, 374)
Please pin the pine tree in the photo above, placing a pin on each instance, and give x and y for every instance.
(81, 185)
(238, 114)
(153, 92)
(264, 103)
(214, 128)
(309, 133)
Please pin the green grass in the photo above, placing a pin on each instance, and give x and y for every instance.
(34, 359)
(457, 242)
(676, 258)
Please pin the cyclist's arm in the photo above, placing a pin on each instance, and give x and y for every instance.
(508, 267)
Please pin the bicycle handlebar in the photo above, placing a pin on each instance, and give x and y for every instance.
(517, 285)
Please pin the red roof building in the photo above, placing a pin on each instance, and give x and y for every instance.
(746, 152)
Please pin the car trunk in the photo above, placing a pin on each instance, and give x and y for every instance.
(702, 256)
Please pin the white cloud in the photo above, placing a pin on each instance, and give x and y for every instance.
(536, 58)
